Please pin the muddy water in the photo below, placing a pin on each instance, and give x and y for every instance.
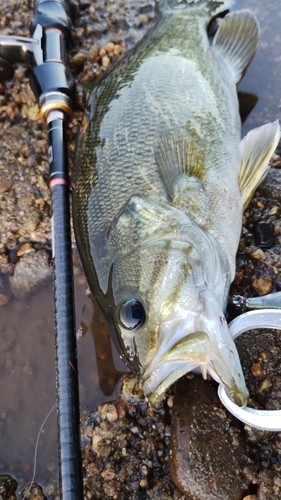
(27, 373)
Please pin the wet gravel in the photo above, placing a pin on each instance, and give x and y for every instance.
(127, 448)
(127, 455)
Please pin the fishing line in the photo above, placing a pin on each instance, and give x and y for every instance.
(36, 450)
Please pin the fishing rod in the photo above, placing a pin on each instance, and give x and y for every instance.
(53, 85)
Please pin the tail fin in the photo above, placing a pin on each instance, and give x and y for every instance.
(212, 5)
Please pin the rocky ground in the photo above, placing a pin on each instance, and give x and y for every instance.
(130, 448)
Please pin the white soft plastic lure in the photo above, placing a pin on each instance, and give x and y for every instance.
(269, 420)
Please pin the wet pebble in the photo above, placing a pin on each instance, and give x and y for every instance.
(5, 184)
(31, 270)
(262, 285)
(208, 453)
(33, 492)
(271, 186)
(258, 254)
(8, 486)
(128, 456)
(79, 59)
(5, 288)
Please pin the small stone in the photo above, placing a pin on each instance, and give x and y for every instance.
(256, 435)
(143, 483)
(12, 110)
(260, 204)
(25, 248)
(273, 210)
(31, 161)
(108, 474)
(8, 485)
(30, 111)
(131, 388)
(108, 412)
(109, 47)
(31, 270)
(256, 370)
(79, 59)
(134, 430)
(33, 492)
(271, 186)
(144, 19)
(94, 52)
(5, 184)
(5, 289)
(262, 285)
(117, 50)
(20, 73)
(277, 481)
(105, 61)
(258, 254)
(170, 401)
(264, 385)
(24, 202)
(96, 440)
(110, 489)
(144, 470)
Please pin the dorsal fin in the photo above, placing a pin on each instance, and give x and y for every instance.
(176, 155)
(237, 40)
(209, 5)
(256, 149)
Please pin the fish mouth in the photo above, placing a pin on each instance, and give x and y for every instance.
(187, 355)
(194, 351)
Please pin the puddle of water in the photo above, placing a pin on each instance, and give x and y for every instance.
(27, 378)
(264, 73)
(27, 370)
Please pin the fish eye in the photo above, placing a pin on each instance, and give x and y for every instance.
(132, 314)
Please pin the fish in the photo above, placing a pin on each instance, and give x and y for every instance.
(161, 178)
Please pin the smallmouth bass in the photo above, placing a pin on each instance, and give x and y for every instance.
(160, 181)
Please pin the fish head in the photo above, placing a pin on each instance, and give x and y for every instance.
(167, 316)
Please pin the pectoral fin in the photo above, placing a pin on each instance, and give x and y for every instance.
(256, 149)
(237, 40)
(178, 158)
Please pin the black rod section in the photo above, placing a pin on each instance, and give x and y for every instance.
(71, 482)
(53, 85)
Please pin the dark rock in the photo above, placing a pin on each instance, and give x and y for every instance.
(271, 186)
(5, 288)
(264, 234)
(277, 285)
(208, 453)
(8, 486)
(33, 492)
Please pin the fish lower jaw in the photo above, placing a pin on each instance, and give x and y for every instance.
(159, 380)
(168, 365)
(194, 351)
